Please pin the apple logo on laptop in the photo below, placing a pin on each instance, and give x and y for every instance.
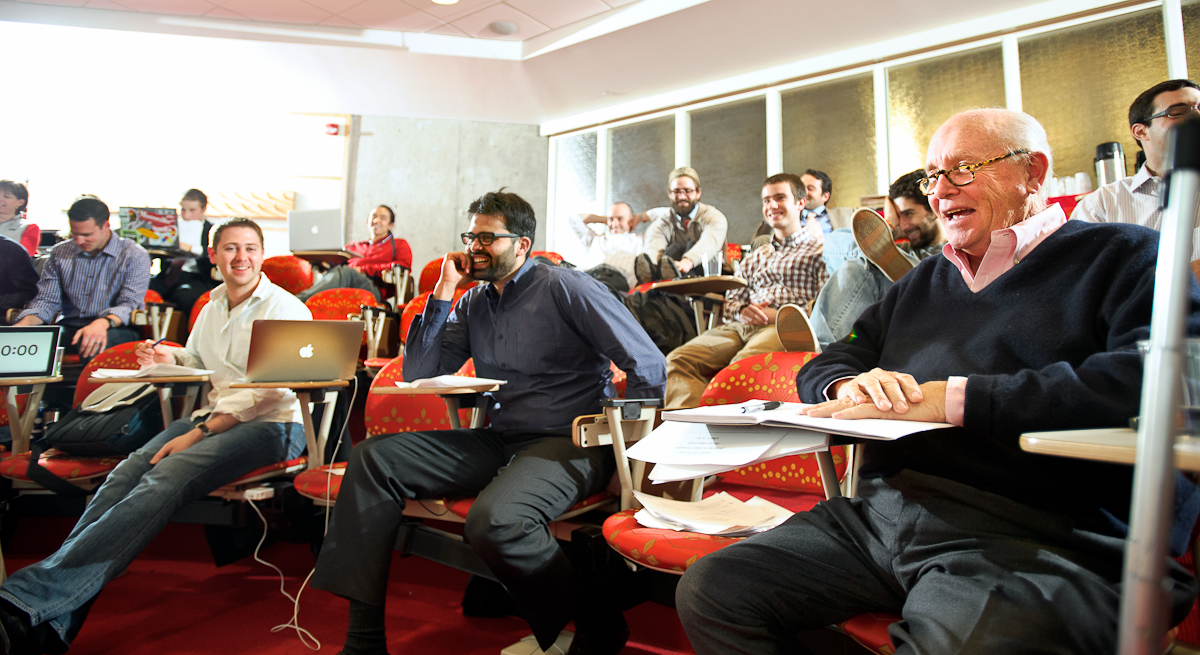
(315, 229)
(307, 351)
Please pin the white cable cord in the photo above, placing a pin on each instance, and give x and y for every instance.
(294, 623)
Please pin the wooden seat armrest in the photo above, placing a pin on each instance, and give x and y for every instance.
(629, 420)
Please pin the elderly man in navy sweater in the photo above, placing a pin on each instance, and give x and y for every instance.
(1028, 322)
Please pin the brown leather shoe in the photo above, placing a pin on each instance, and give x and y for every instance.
(874, 237)
(794, 330)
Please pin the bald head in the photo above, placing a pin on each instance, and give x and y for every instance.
(1005, 191)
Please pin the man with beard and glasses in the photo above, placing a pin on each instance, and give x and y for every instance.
(682, 235)
(551, 333)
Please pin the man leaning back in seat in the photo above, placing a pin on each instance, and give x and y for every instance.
(550, 332)
(1028, 322)
(42, 606)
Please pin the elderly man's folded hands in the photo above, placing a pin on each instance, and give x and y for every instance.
(885, 394)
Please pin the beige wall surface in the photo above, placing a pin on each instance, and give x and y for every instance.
(430, 170)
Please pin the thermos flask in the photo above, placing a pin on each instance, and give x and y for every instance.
(1110, 163)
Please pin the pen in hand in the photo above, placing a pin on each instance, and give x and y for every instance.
(762, 407)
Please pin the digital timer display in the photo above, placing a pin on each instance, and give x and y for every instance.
(28, 352)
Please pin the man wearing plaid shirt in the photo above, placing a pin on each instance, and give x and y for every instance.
(788, 270)
(91, 284)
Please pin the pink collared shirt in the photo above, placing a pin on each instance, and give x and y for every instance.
(1008, 247)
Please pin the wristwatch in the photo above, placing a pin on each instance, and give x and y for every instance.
(111, 323)
(205, 431)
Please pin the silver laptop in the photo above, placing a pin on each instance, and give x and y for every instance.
(28, 352)
(303, 351)
(316, 229)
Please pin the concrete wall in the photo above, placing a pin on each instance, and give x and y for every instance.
(430, 170)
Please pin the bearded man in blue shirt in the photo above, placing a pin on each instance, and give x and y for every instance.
(551, 333)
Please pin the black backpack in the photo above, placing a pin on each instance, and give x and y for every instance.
(114, 432)
(666, 317)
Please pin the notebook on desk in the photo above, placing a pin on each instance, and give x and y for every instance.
(28, 352)
(303, 351)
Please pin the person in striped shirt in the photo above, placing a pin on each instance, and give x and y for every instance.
(1138, 199)
(91, 284)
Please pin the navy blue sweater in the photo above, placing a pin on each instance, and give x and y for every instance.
(1049, 345)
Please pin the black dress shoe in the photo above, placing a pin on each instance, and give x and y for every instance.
(20, 638)
(609, 642)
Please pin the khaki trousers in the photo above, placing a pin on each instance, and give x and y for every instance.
(693, 365)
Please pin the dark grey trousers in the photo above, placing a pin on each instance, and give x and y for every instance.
(969, 572)
(522, 481)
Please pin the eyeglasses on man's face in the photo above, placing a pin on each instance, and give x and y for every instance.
(1174, 111)
(961, 175)
(485, 238)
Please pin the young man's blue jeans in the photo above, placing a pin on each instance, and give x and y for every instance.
(854, 285)
(132, 507)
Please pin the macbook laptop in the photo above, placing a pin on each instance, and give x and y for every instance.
(315, 229)
(28, 352)
(303, 351)
(150, 227)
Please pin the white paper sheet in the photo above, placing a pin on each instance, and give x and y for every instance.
(450, 382)
(719, 514)
(675, 442)
(153, 371)
(792, 443)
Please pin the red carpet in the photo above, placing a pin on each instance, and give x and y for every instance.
(174, 600)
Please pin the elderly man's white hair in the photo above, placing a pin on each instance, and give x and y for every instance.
(1013, 131)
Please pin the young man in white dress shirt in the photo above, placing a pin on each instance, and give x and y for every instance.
(43, 606)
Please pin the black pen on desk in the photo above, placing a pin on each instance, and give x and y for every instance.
(762, 407)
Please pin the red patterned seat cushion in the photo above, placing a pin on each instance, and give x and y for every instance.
(870, 630)
(429, 275)
(378, 362)
(662, 550)
(289, 272)
(271, 470)
(792, 473)
(22, 401)
(67, 467)
(200, 303)
(336, 304)
(417, 306)
(394, 413)
(461, 506)
(318, 484)
(548, 254)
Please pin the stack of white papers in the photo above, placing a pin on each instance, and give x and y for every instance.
(685, 451)
(719, 514)
(451, 382)
(152, 371)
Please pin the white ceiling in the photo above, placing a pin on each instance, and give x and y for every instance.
(601, 58)
(465, 18)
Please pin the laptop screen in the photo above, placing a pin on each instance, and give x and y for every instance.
(150, 227)
(28, 352)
